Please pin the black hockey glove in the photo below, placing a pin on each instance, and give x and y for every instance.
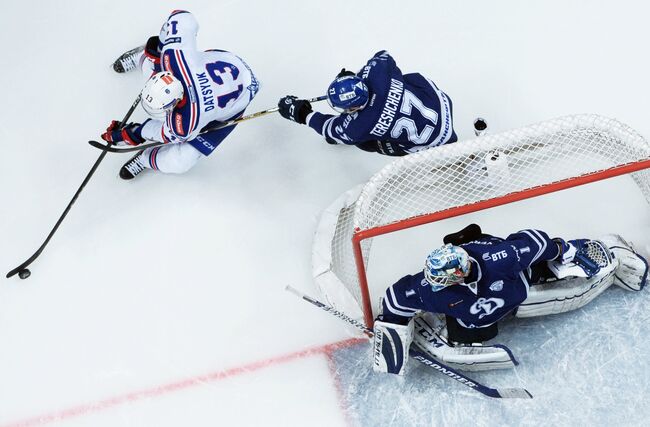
(344, 73)
(153, 49)
(153, 45)
(292, 108)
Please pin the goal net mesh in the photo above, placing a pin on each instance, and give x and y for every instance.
(519, 161)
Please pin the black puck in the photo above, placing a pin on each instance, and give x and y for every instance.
(480, 126)
(24, 274)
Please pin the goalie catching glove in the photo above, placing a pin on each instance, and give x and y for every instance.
(613, 260)
(579, 258)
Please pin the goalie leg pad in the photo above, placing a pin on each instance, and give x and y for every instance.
(430, 336)
(565, 294)
(391, 347)
(632, 271)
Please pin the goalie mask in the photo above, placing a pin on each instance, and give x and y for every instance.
(446, 266)
(161, 93)
(347, 94)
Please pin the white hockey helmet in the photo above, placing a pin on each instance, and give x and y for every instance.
(161, 93)
(445, 266)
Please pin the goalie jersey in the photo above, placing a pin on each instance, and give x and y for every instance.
(218, 85)
(406, 109)
(497, 284)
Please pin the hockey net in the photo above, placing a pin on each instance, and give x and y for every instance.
(461, 178)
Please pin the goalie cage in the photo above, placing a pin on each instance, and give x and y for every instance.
(465, 177)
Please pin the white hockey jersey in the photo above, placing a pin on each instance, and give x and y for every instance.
(218, 85)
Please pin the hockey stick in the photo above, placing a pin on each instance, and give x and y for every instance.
(22, 270)
(112, 149)
(505, 393)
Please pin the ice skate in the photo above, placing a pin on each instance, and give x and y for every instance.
(129, 60)
(133, 167)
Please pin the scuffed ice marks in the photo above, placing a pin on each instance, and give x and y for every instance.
(587, 367)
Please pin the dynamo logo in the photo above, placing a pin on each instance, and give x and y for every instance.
(486, 306)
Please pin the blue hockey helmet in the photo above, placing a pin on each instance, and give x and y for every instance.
(446, 266)
(347, 94)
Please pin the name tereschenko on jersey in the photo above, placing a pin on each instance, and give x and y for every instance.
(391, 106)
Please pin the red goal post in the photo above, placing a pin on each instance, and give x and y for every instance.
(461, 178)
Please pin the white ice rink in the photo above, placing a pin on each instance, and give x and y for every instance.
(160, 301)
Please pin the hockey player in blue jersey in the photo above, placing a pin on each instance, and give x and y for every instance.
(382, 110)
(475, 284)
(187, 90)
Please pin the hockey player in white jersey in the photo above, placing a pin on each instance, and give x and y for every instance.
(465, 288)
(186, 91)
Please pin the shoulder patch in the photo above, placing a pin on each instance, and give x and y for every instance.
(496, 286)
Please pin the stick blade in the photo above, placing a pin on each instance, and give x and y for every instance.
(97, 145)
(22, 266)
(114, 149)
(514, 393)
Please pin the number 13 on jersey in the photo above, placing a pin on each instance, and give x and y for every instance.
(217, 71)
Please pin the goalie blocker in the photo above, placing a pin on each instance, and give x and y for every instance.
(391, 347)
(554, 276)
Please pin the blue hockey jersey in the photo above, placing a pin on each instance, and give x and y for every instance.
(408, 110)
(497, 284)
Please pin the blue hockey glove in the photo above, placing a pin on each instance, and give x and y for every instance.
(129, 135)
(292, 108)
(569, 249)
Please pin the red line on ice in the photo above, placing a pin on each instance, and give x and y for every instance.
(87, 408)
(340, 392)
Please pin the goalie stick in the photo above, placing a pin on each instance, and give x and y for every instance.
(504, 393)
(22, 270)
(112, 149)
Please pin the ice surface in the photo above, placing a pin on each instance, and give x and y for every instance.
(153, 290)
(587, 367)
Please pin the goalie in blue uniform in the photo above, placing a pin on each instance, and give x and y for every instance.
(453, 305)
(382, 110)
